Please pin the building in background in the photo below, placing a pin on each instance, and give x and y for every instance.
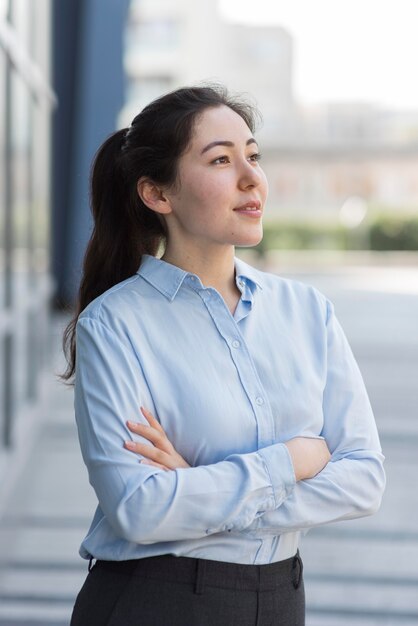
(26, 103)
(87, 75)
(315, 157)
(170, 44)
(61, 79)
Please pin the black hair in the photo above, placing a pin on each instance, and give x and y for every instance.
(124, 227)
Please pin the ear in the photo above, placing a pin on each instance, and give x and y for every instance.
(152, 196)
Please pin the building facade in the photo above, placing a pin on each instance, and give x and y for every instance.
(87, 76)
(171, 44)
(315, 181)
(315, 157)
(26, 104)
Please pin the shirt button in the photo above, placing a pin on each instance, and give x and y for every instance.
(241, 283)
(192, 277)
(259, 400)
(236, 344)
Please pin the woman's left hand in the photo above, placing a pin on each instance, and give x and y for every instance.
(162, 453)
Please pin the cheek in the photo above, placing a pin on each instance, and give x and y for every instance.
(208, 193)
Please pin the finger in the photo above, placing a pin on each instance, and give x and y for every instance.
(151, 434)
(149, 452)
(151, 419)
(154, 464)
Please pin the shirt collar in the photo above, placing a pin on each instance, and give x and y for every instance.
(247, 272)
(168, 278)
(165, 277)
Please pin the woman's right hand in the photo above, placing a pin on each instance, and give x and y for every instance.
(309, 456)
(161, 453)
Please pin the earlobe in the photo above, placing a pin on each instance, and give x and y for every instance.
(152, 196)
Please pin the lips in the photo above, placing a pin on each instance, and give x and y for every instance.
(253, 205)
(251, 209)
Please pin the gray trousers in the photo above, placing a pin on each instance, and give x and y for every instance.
(180, 591)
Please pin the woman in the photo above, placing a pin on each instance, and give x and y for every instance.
(220, 410)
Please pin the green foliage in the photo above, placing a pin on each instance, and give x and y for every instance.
(382, 231)
(394, 232)
(303, 235)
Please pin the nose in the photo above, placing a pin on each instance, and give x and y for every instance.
(250, 175)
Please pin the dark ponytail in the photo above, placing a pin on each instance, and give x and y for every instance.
(124, 227)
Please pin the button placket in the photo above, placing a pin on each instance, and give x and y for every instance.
(245, 366)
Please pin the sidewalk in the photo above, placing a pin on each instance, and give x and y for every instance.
(358, 573)
(46, 519)
(365, 572)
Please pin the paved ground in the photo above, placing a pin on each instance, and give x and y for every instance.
(358, 573)
(365, 572)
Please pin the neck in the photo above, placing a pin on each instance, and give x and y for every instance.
(213, 270)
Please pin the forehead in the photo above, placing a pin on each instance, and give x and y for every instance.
(219, 123)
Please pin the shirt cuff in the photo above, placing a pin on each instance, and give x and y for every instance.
(279, 467)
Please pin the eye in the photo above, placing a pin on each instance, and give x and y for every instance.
(221, 159)
(255, 157)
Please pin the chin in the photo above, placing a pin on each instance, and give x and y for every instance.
(249, 241)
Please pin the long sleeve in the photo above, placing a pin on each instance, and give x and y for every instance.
(144, 504)
(351, 485)
(229, 391)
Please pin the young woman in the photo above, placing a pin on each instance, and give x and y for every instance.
(220, 410)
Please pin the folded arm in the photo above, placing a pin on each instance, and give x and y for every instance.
(145, 504)
(352, 483)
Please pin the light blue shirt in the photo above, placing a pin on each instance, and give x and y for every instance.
(229, 390)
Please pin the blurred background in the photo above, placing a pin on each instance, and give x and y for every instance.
(335, 83)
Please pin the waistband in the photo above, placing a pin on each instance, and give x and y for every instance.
(203, 572)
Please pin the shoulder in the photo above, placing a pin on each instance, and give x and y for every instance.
(114, 303)
(290, 293)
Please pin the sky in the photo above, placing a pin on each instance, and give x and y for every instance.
(362, 50)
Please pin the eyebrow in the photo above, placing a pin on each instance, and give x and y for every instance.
(229, 144)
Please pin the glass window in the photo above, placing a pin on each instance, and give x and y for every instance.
(20, 18)
(19, 157)
(3, 97)
(4, 9)
(40, 190)
(24, 210)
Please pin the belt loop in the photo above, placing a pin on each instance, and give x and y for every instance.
(297, 570)
(199, 584)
